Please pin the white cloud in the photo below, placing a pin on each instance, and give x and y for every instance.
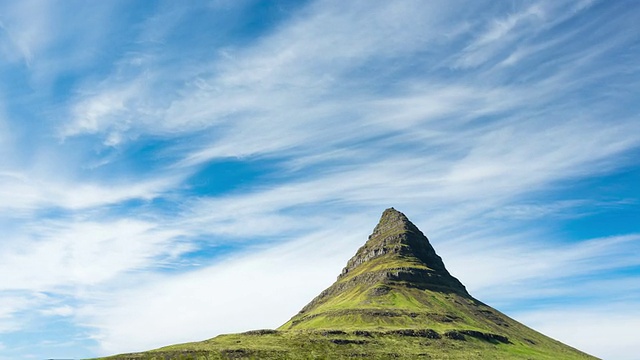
(97, 112)
(482, 172)
(500, 36)
(6, 140)
(537, 268)
(248, 92)
(259, 290)
(607, 330)
(54, 38)
(30, 36)
(65, 310)
(23, 192)
(262, 100)
(12, 304)
(58, 256)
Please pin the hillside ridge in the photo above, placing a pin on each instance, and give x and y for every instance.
(394, 299)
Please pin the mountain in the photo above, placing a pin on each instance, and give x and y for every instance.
(394, 299)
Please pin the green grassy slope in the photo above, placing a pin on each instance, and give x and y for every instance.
(341, 344)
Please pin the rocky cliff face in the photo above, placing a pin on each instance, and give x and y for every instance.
(395, 234)
(397, 237)
(396, 256)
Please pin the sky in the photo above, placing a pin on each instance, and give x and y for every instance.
(171, 170)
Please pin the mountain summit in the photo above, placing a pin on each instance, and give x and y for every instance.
(396, 235)
(390, 272)
(394, 299)
(391, 280)
(394, 239)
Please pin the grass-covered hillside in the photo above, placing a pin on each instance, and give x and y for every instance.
(360, 344)
(394, 300)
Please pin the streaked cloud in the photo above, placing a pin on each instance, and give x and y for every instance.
(580, 323)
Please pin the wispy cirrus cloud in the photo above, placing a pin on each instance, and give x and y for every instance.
(23, 193)
(67, 254)
(52, 41)
(234, 88)
(22, 41)
(582, 321)
(497, 38)
(232, 287)
(261, 100)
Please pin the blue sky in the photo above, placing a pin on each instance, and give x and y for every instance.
(170, 171)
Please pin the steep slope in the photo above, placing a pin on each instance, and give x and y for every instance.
(394, 299)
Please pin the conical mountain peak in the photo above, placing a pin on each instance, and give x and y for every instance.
(394, 300)
(396, 235)
(397, 262)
